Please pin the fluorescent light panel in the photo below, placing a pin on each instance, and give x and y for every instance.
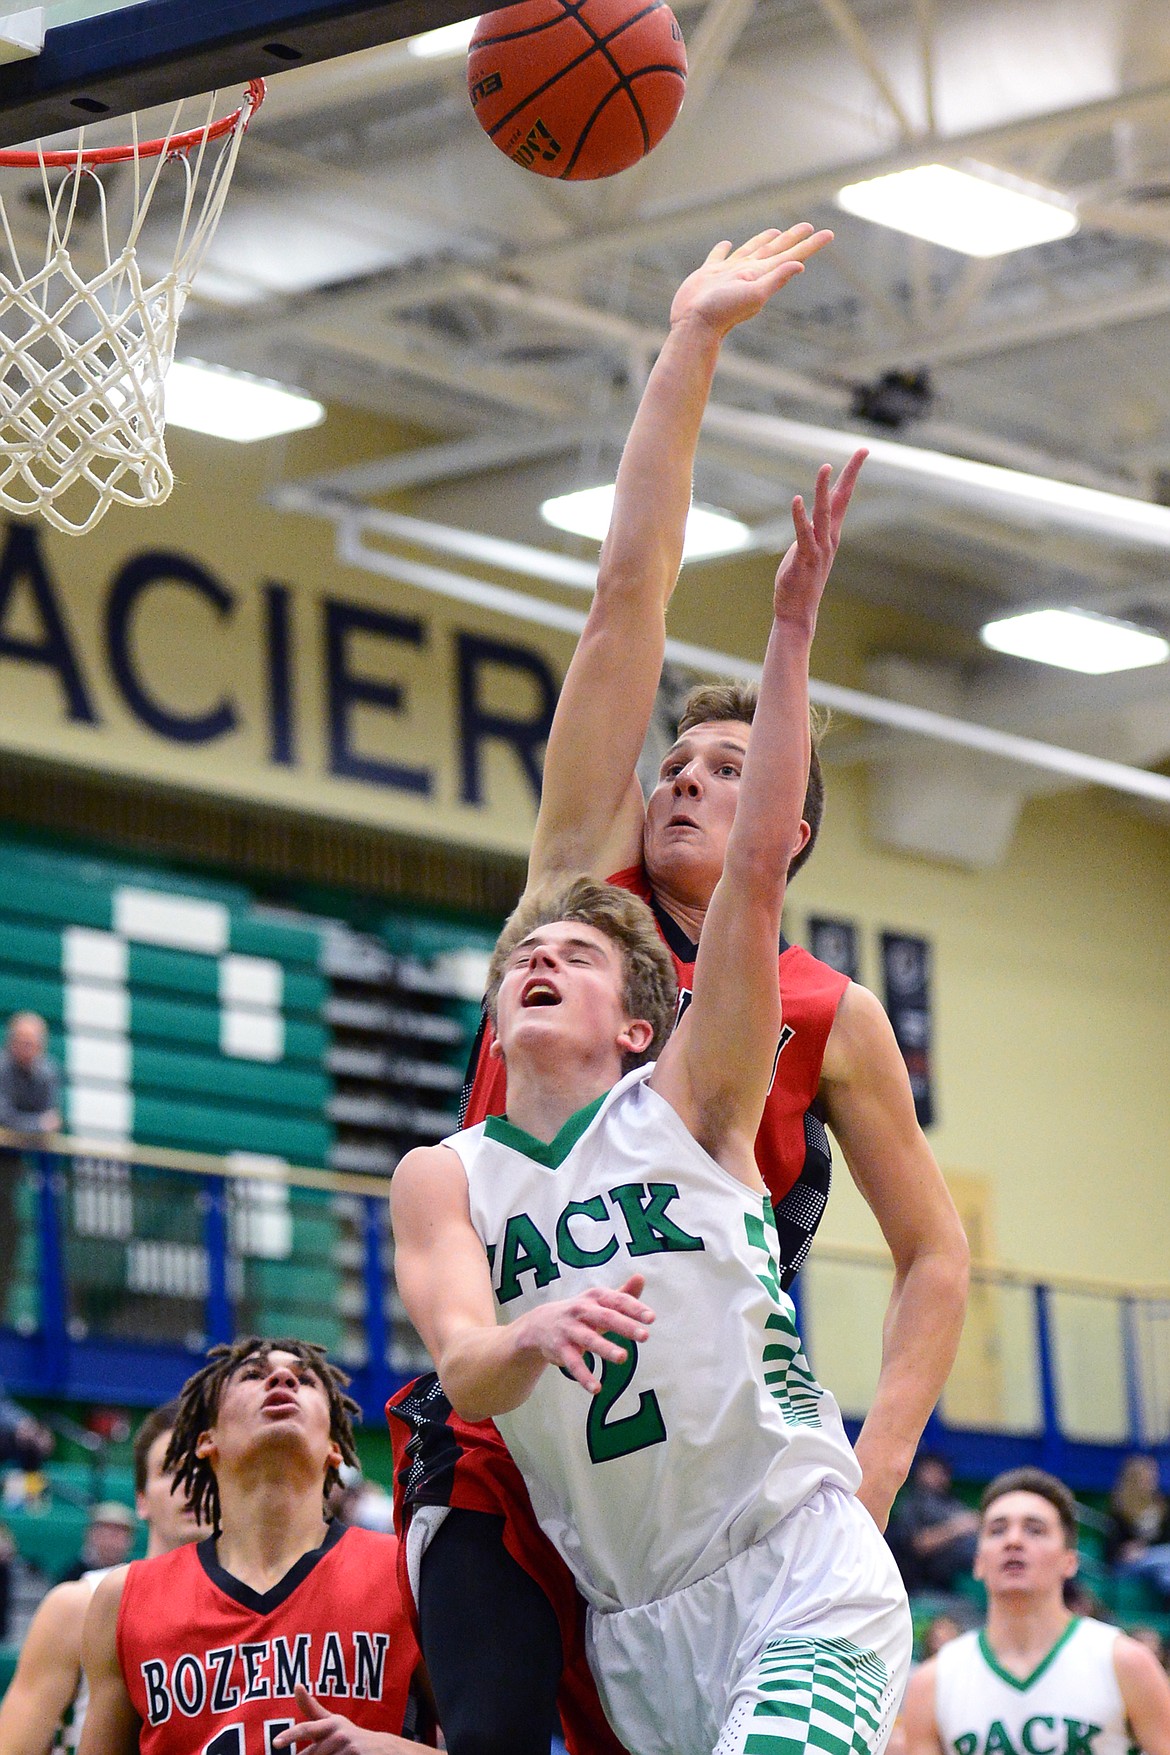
(234, 405)
(1076, 639)
(588, 511)
(449, 39)
(979, 212)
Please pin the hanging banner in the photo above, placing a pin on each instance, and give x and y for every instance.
(906, 968)
(835, 942)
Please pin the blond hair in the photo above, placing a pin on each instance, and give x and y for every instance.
(650, 988)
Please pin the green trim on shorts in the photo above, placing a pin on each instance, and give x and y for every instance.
(823, 1694)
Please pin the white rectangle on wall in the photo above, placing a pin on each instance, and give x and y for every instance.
(100, 1110)
(254, 981)
(98, 1059)
(183, 923)
(89, 955)
(249, 1035)
(96, 1008)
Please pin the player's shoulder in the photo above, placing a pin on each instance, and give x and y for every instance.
(427, 1170)
(359, 1543)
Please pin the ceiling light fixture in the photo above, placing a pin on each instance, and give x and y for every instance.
(587, 512)
(449, 39)
(979, 212)
(235, 405)
(1076, 639)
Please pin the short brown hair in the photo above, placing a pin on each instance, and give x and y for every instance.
(710, 703)
(157, 1421)
(651, 987)
(1045, 1486)
(199, 1405)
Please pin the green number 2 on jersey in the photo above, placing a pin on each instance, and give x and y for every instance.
(637, 1431)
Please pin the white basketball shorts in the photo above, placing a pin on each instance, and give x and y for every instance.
(800, 1645)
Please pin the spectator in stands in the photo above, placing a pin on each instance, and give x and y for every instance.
(7, 1556)
(29, 1099)
(108, 1540)
(939, 1632)
(29, 1084)
(1137, 1541)
(23, 1439)
(47, 1691)
(933, 1535)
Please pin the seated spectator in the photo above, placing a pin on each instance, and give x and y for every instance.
(932, 1534)
(939, 1632)
(108, 1540)
(1137, 1541)
(23, 1439)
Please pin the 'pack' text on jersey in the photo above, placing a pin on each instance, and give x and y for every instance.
(1042, 1734)
(589, 1233)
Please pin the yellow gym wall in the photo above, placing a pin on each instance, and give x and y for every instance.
(1052, 1033)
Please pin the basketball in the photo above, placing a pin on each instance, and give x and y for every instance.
(577, 89)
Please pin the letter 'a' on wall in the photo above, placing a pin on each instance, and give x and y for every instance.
(284, 691)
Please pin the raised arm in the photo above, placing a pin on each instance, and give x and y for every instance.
(716, 1068)
(869, 1106)
(591, 808)
(443, 1276)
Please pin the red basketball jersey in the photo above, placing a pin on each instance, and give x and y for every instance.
(810, 993)
(211, 1665)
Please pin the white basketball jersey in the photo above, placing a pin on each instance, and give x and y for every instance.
(1071, 1704)
(715, 1427)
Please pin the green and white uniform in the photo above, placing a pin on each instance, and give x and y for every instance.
(1071, 1704)
(675, 1484)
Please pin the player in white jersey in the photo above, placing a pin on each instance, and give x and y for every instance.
(44, 1707)
(615, 1225)
(1036, 1680)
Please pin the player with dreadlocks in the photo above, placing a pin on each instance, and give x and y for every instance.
(281, 1628)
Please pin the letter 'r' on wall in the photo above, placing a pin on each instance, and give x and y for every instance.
(345, 691)
(525, 735)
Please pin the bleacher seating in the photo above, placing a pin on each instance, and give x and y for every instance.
(185, 1013)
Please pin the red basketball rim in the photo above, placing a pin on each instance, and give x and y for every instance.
(20, 160)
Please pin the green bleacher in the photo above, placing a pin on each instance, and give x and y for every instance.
(153, 1040)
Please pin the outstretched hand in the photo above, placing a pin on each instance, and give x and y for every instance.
(733, 284)
(804, 571)
(327, 1733)
(566, 1330)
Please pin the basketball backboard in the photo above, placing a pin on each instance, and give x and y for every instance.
(104, 58)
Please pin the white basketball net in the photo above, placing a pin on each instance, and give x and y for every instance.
(86, 344)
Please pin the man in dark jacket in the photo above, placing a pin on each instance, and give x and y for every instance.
(29, 1097)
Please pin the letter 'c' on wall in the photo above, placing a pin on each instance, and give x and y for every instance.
(135, 579)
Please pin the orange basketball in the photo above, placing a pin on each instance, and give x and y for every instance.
(577, 88)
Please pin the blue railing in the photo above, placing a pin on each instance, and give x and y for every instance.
(128, 1263)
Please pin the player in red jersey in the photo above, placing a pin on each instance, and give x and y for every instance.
(281, 1629)
(840, 1065)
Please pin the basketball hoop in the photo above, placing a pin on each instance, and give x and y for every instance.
(87, 338)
